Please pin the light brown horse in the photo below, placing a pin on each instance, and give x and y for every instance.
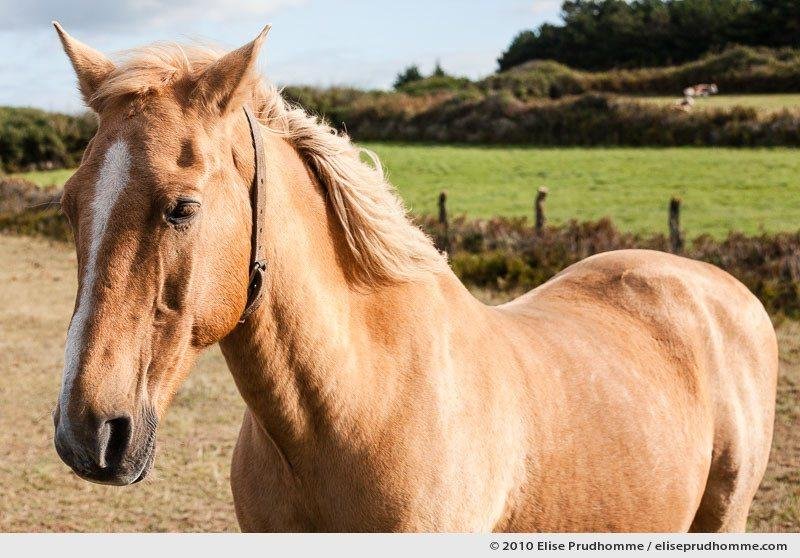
(634, 391)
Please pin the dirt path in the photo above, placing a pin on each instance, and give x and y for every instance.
(188, 489)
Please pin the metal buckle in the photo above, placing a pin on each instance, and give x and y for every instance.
(259, 267)
(257, 271)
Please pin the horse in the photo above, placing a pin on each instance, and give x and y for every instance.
(701, 90)
(634, 391)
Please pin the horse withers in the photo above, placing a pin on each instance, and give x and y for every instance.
(632, 392)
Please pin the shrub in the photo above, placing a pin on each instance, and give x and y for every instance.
(32, 138)
(586, 120)
(435, 84)
(27, 209)
(409, 75)
(508, 254)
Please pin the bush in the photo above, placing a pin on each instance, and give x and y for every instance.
(27, 209)
(586, 120)
(409, 75)
(35, 139)
(334, 103)
(538, 79)
(508, 254)
(435, 84)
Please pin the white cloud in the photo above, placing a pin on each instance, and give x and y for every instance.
(356, 42)
(545, 8)
(131, 15)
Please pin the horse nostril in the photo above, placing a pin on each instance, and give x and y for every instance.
(113, 438)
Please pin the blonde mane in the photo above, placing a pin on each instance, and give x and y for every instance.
(383, 242)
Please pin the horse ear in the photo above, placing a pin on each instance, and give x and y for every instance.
(91, 66)
(223, 86)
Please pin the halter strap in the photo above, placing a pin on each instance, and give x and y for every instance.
(257, 194)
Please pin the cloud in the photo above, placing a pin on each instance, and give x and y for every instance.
(131, 15)
(546, 7)
(363, 42)
(541, 10)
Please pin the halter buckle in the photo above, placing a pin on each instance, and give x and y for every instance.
(257, 271)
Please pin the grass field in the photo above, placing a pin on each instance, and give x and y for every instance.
(48, 178)
(723, 189)
(189, 488)
(767, 102)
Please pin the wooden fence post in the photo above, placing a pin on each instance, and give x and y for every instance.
(444, 225)
(541, 195)
(675, 234)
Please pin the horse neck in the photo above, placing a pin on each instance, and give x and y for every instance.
(317, 360)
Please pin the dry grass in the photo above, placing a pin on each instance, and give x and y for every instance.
(770, 102)
(188, 490)
(777, 504)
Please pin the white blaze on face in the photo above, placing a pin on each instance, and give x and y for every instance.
(114, 176)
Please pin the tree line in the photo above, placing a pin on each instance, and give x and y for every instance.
(605, 34)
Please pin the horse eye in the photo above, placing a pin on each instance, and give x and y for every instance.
(182, 212)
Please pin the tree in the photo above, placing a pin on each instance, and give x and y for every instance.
(777, 22)
(605, 34)
(410, 74)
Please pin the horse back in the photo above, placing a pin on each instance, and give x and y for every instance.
(649, 367)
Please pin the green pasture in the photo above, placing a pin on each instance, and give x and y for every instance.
(48, 178)
(766, 102)
(722, 189)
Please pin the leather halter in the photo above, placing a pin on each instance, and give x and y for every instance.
(257, 266)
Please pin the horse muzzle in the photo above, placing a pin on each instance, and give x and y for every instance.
(117, 451)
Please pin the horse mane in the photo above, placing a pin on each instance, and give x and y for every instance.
(383, 242)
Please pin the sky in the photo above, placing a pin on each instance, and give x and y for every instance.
(359, 43)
